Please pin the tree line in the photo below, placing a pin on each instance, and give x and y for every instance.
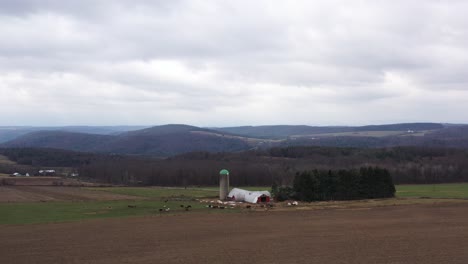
(326, 185)
(255, 167)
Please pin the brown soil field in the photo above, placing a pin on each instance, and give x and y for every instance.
(55, 193)
(395, 234)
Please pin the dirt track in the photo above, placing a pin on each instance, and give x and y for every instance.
(400, 234)
(55, 193)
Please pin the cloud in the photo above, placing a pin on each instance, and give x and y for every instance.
(217, 63)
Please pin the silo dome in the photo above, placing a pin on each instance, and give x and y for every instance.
(224, 172)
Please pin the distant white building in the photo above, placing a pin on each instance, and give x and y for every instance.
(47, 172)
(240, 195)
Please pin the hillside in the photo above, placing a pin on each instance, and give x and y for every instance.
(165, 130)
(281, 131)
(159, 141)
(448, 137)
(284, 131)
(167, 140)
(13, 132)
(61, 140)
(174, 139)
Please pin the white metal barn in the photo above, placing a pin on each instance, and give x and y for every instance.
(240, 195)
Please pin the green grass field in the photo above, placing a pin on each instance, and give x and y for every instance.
(48, 212)
(452, 190)
(161, 193)
(157, 198)
(29, 213)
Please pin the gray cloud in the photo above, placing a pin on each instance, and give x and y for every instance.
(232, 62)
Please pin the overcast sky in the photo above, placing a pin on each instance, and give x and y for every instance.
(227, 63)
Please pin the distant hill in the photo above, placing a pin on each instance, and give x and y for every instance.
(283, 131)
(167, 130)
(401, 127)
(159, 141)
(174, 139)
(61, 140)
(168, 140)
(12, 132)
(447, 137)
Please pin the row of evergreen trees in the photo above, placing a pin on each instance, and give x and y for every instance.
(325, 185)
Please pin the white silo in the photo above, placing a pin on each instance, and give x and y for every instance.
(223, 184)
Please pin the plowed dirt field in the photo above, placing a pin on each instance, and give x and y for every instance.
(395, 234)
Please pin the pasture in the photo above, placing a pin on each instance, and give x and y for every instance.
(160, 192)
(451, 190)
(45, 204)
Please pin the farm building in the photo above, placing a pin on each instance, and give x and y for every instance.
(47, 172)
(240, 195)
(223, 184)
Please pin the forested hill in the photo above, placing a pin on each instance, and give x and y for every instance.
(8, 133)
(156, 141)
(61, 140)
(284, 131)
(167, 140)
(448, 137)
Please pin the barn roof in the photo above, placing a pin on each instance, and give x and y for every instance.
(241, 195)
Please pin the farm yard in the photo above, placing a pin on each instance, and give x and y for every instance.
(126, 225)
